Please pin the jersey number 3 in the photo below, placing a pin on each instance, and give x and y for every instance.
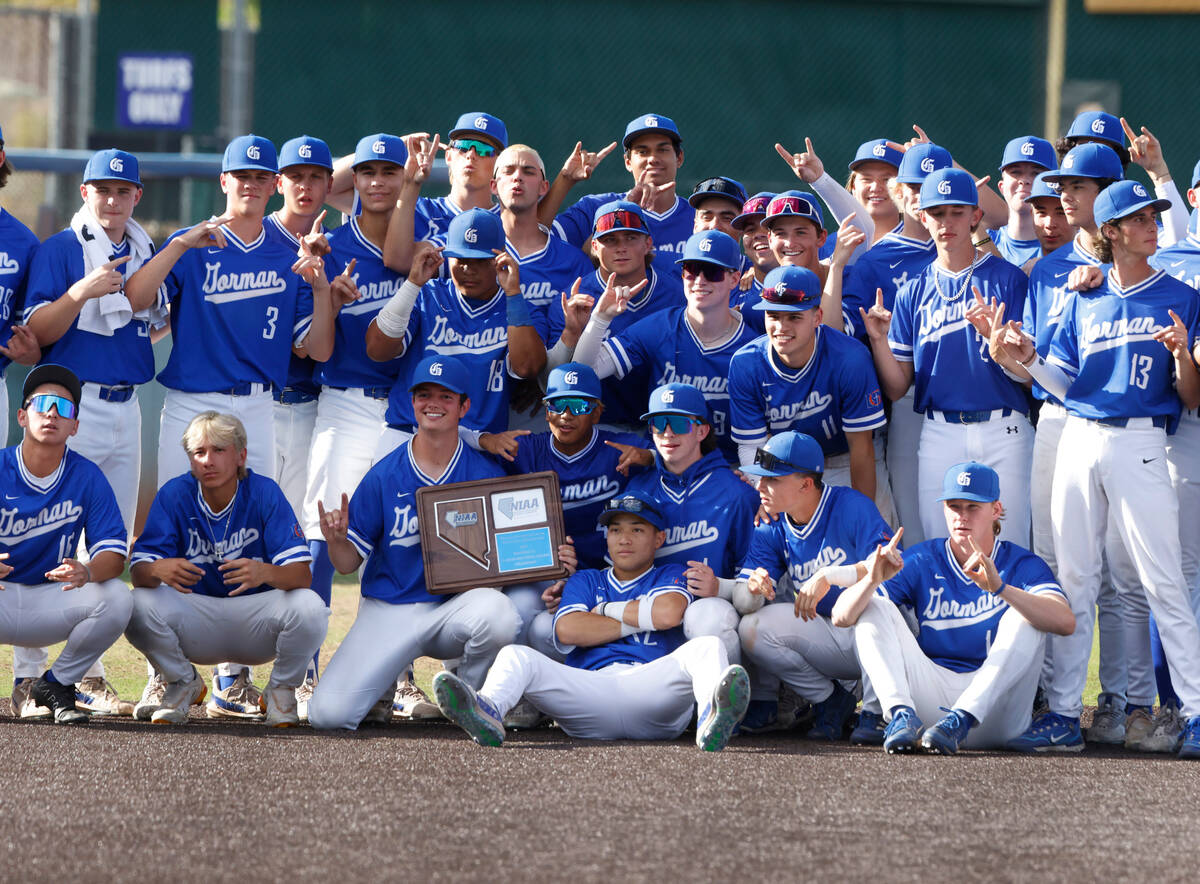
(272, 316)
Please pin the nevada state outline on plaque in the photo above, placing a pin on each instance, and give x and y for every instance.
(462, 524)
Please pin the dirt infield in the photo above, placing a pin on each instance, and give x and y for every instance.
(215, 801)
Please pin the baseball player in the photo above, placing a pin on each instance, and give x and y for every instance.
(653, 155)
(708, 511)
(806, 377)
(17, 245)
(623, 249)
(479, 316)
(756, 245)
(53, 496)
(971, 407)
(875, 164)
(1095, 127)
(1050, 224)
(717, 202)
(814, 531)
(629, 673)
(77, 307)
(1024, 159)
(221, 572)
(398, 620)
(983, 607)
(690, 344)
(1119, 362)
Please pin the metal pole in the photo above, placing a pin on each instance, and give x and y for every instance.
(239, 72)
(1056, 63)
(85, 79)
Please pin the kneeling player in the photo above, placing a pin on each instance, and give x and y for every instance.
(630, 674)
(983, 607)
(222, 573)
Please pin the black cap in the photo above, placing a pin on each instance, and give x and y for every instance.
(50, 373)
(719, 186)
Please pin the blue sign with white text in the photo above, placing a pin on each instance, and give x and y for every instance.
(154, 90)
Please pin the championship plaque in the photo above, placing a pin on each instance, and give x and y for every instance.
(494, 532)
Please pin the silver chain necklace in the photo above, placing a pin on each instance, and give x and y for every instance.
(962, 289)
(219, 548)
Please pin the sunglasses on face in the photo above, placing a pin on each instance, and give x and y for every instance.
(618, 219)
(573, 404)
(481, 148)
(680, 424)
(768, 461)
(711, 272)
(44, 402)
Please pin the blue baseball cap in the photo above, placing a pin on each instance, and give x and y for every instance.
(795, 204)
(651, 123)
(921, 159)
(632, 504)
(754, 207)
(971, 480)
(1030, 149)
(477, 123)
(718, 186)
(1124, 198)
(112, 165)
(712, 247)
(949, 187)
(876, 151)
(1090, 160)
(677, 399)
(786, 453)
(1195, 174)
(619, 215)
(305, 151)
(1044, 186)
(1097, 124)
(475, 233)
(380, 148)
(572, 379)
(249, 152)
(445, 371)
(789, 290)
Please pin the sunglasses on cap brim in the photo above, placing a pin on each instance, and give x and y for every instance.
(616, 220)
(790, 298)
(768, 461)
(633, 505)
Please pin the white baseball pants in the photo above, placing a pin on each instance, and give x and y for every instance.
(293, 440)
(837, 472)
(344, 439)
(903, 441)
(256, 412)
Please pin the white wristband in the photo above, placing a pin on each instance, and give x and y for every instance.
(645, 614)
(392, 320)
(614, 611)
(842, 575)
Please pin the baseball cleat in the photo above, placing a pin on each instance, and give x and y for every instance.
(152, 695)
(903, 731)
(1167, 731)
(178, 698)
(239, 698)
(281, 707)
(23, 705)
(869, 730)
(832, 714)
(522, 717)
(720, 718)
(59, 699)
(945, 735)
(97, 696)
(381, 712)
(794, 710)
(304, 694)
(410, 702)
(1189, 747)
(473, 713)
(1139, 723)
(1050, 733)
(1108, 721)
(762, 716)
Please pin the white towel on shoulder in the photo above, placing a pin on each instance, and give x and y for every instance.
(106, 314)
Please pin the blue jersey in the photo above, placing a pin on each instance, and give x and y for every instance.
(835, 392)
(957, 619)
(625, 399)
(235, 314)
(124, 357)
(475, 332)
(886, 266)
(666, 345)
(586, 480)
(586, 589)
(1181, 260)
(258, 524)
(669, 231)
(952, 369)
(1048, 295)
(383, 521)
(744, 301)
(708, 510)
(433, 215)
(349, 366)
(545, 275)
(1015, 251)
(1105, 341)
(17, 245)
(844, 529)
(300, 368)
(41, 519)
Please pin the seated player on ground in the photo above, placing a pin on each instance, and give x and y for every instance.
(630, 674)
